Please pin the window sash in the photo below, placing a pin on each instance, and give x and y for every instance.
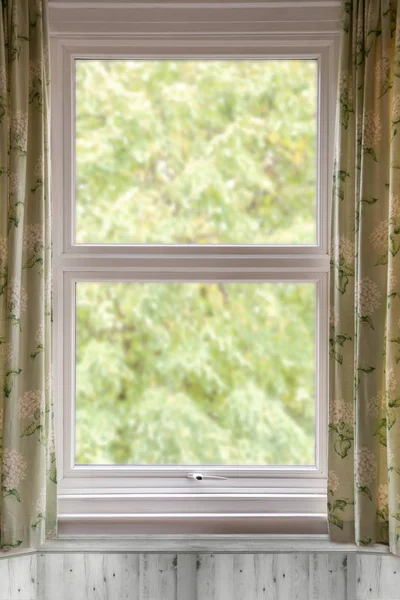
(236, 476)
(64, 159)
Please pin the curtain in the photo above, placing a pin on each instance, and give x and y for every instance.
(27, 454)
(364, 340)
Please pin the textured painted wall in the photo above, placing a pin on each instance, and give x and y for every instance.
(18, 578)
(302, 576)
(191, 577)
(378, 577)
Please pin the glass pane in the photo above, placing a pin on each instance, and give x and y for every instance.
(195, 373)
(196, 151)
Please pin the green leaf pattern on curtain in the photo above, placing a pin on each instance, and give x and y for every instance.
(27, 452)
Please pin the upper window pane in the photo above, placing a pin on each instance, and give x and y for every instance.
(196, 151)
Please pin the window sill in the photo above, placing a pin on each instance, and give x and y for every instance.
(202, 543)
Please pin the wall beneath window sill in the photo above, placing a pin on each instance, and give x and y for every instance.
(18, 576)
(203, 576)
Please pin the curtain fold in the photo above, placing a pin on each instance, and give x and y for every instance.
(364, 428)
(27, 453)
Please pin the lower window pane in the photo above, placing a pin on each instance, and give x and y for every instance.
(195, 373)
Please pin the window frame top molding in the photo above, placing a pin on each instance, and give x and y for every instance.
(112, 19)
(102, 501)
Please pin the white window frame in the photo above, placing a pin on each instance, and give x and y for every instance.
(138, 499)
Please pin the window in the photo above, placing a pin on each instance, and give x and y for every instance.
(191, 266)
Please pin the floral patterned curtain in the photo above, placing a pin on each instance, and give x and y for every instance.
(27, 456)
(364, 446)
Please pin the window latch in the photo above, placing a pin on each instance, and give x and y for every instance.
(200, 476)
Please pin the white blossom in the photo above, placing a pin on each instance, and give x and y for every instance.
(392, 280)
(46, 59)
(382, 69)
(333, 481)
(15, 184)
(48, 290)
(49, 221)
(17, 298)
(344, 78)
(333, 317)
(382, 496)
(3, 82)
(360, 32)
(46, 123)
(41, 502)
(394, 207)
(49, 382)
(29, 403)
(14, 469)
(3, 251)
(390, 455)
(19, 129)
(51, 444)
(51, 534)
(391, 415)
(396, 108)
(341, 411)
(368, 296)
(343, 248)
(369, 129)
(379, 236)
(7, 351)
(371, 17)
(39, 335)
(346, 86)
(376, 404)
(38, 171)
(365, 466)
(35, 71)
(33, 237)
(391, 381)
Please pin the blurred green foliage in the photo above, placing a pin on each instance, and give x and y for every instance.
(195, 373)
(195, 152)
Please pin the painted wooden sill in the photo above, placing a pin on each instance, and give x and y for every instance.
(218, 544)
(205, 543)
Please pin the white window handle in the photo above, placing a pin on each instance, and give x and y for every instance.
(200, 476)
